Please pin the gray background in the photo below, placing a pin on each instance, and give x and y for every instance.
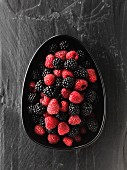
(24, 26)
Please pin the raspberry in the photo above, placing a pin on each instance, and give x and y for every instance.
(32, 86)
(76, 97)
(58, 63)
(36, 75)
(58, 82)
(42, 121)
(53, 138)
(74, 120)
(49, 91)
(53, 107)
(92, 124)
(64, 45)
(83, 130)
(65, 93)
(64, 106)
(92, 77)
(50, 122)
(32, 97)
(74, 131)
(49, 61)
(77, 138)
(70, 64)
(49, 79)
(72, 54)
(80, 72)
(46, 71)
(57, 73)
(68, 141)
(90, 96)
(61, 54)
(68, 82)
(39, 130)
(74, 109)
(80, 85)
(62, 116)
(45, 100)
(67, 73)
(86, 109)
(39, 86)
(38, 109)
(63, 128)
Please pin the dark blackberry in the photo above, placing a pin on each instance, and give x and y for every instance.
(74, 109)
(42, 121)
(62, 116)
(46, 71)
(70, 64)
(81, 54)
(53, 48)
(74, 131)
(90, 96)
(68, 82)
(36, 75)
(30, 109)
(87, 64)
(92, 124)
(39, 86)
(38, 109)
(58, 63)
(64, 45)
(58, 82)
(86, 109)
(32, 97)
(50, 91)
(52, 131)
(80, 72)
(35, 118)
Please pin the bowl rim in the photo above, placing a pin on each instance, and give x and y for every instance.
(103, 89)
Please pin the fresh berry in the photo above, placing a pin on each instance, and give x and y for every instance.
(77, 138)
(39, 130)
(83, 130)
(49, 61)
(90, 96)
(36, 75)
(74, 131)
(67, 73)
(64, 106)
(74, 120)
(76, 97)
(92, 125)
(45, 100)
(72, 54)
(49, 79)
(74, 109)
(53, 138)
(92, 77)
(32, 97)
(63, 128)
(53, 48)
(64, 45)
(68, 141)
(52, 131)
(42, 121)
(81, 54)
(61, 54)
(62, 116)
(68, 82)
(46, 71)
(39, 86)
(65, 93)
(57, 73)
(35, 118)
(49, 91)
(50, 122)
(86, 109)
(58, 63)
(32, 86)
(80, 72)
(53, 107)
(38, 109)
(58, 82)
(70, 64)
(30, 109)
(80, 85)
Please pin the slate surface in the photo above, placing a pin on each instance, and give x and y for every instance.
(24, 26)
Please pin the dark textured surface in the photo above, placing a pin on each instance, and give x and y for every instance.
(24, 25)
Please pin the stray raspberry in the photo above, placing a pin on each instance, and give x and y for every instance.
(67, 73)
(49, 79)
(32, 86)
(53, 138)
(39, 130)
(83, 130)
(53, 107)
(64, 106)
(45, 100)
(61, 54)
(49, 61)
(65, 93)
(74, 120)
(68, 141)
(92, 77)
(72, 54)
(50, 122)
(77, 138)
(63, 128)
(76, 97)
(80, 85)
(57, 73)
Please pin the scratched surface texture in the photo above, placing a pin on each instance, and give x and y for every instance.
(24, 26)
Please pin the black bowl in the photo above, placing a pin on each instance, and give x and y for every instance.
(100, 110)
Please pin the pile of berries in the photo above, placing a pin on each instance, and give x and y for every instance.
(61, 100)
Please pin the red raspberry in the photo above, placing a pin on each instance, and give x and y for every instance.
(53, 107)
(57, 73)
(74, 120)
(72, 54)
(49, 79)
(68, 141)
(80, 85)
(61, 54)
(64, 106)
(76, 97)
(63, 128)
(77, 138)
(45, 100)
(32, 86)
(83, 130)
(65, 93)
(92, 77)
(50, 122)
(49, 61)
(67, 73)
(53, 138)
(39, 130)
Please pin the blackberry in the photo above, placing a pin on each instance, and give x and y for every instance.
(74, 109)
(92, 124)
(53, 48)
(52, 131)
(50, 91)
(81, 54)
(74, 131)
(70, 64)
(86, 109)
(87, 64)
(39, 86)
(38, 109)
(90, 96)
(62, 116)
(64, 45)
(30, 109)
(58, 82)
(58, 63)
(35, 118)
(68, 82)
(42, 121)
(46, 71)
(80, 72)
(36, 75)
(32, 97)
